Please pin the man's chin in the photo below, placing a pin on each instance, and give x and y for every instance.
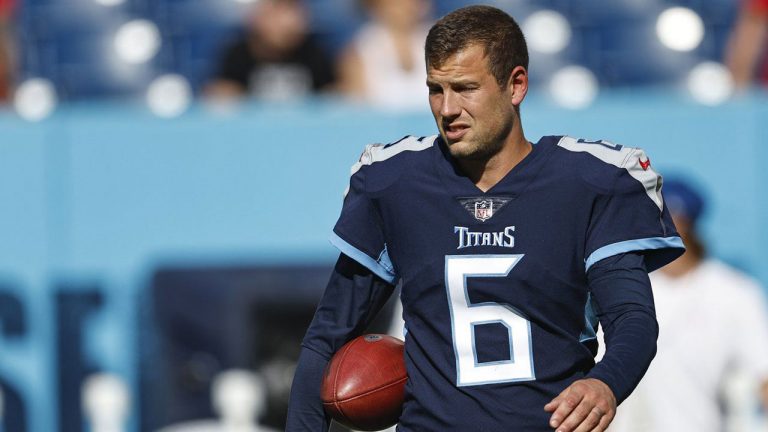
(462, 150)
(469, 152)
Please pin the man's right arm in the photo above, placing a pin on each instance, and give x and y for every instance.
(352, 299)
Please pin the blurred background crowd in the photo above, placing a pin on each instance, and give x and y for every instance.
(170, 171)
(74, 50)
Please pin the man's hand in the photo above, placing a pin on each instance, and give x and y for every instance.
(586, 405)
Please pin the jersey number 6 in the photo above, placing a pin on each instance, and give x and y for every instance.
(465, 316)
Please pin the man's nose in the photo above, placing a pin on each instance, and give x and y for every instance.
(450, 106)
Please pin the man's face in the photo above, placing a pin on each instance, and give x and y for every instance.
(280, 25)
(473, 113)
(684, 226)
(400, 14)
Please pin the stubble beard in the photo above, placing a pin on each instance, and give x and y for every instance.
(479, 149)
(475, 151)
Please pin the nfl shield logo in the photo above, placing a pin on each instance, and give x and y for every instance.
(483, 210)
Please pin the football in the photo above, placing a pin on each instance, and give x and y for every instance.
(364, 383)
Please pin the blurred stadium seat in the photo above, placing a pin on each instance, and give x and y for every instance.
(69, 42)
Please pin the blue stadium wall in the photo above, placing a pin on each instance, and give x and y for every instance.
(95, 199)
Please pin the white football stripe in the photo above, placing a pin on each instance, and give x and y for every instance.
(378, 152)
(628, 158)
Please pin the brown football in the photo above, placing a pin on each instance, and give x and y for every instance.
(364, 383)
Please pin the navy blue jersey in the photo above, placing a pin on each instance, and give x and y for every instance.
(494, 284)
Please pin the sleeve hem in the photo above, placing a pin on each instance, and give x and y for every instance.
(605, 379)
(651, 243)
(378, 267)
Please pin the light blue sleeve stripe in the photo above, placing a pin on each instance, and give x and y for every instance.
(633, 245)
(377, 267)
(590, 321)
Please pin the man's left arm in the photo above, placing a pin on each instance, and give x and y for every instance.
(624, 305)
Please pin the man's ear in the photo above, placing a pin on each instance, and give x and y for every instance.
(518, 84)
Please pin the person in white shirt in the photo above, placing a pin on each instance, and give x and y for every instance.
(384, 66)
(712, 323)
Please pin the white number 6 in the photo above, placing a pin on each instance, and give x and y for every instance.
(465, 316)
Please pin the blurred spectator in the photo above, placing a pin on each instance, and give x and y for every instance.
(277, 60)
(239, 398)
(384, 63)
(712, 322)
(106, 402)
(746, 53)
(6, 42)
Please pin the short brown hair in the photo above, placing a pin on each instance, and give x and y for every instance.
(491, 28)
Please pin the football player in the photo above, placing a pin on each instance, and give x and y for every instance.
(509, 253)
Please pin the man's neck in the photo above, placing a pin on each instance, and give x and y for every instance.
(486, 173)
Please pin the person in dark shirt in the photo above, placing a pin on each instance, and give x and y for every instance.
(278, 59)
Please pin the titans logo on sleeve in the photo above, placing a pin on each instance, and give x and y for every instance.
(495, 297)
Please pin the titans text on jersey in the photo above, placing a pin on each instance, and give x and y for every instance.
(469, 238)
